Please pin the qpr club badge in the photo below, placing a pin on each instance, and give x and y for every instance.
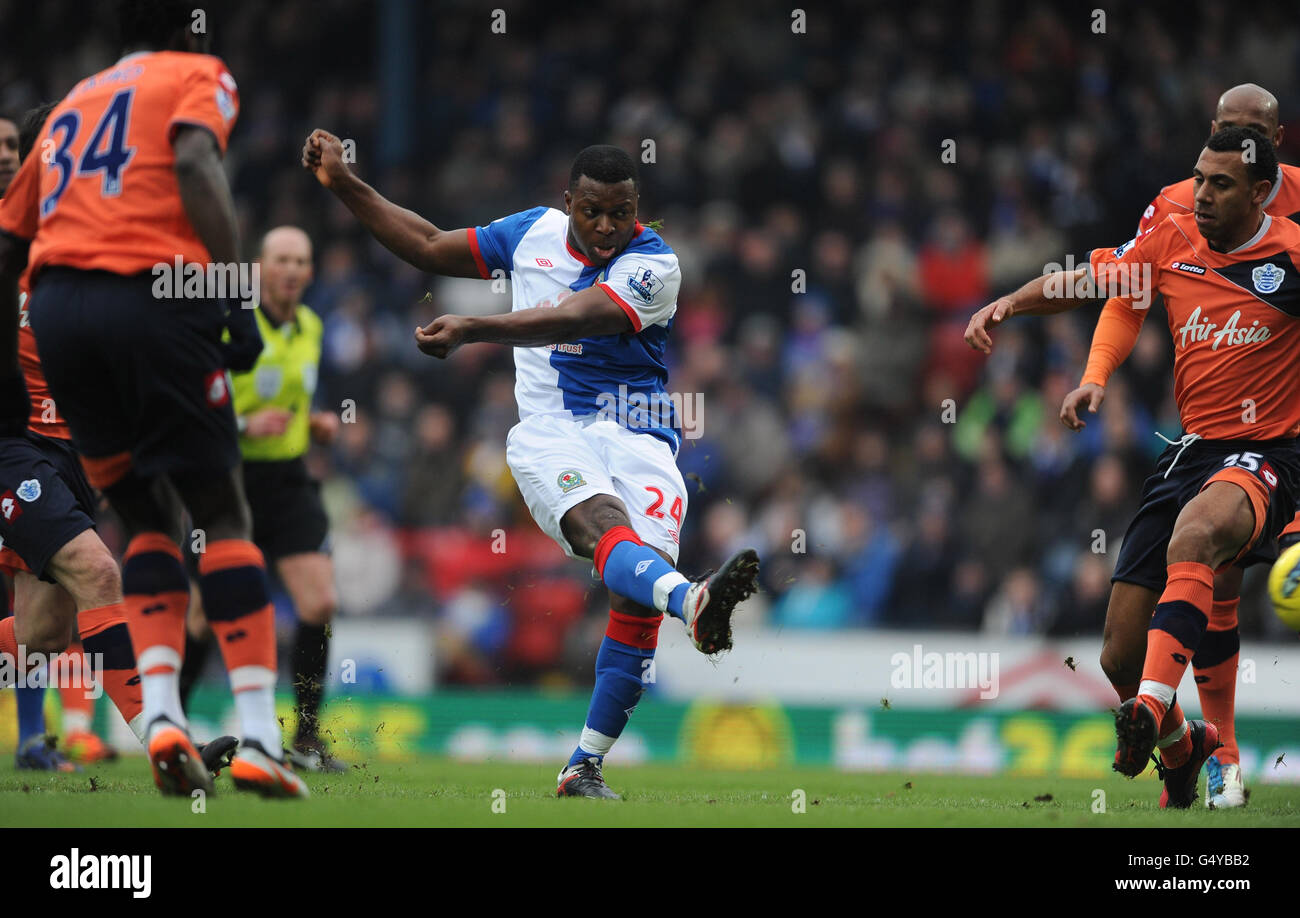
(1267, 278)
(29, 490)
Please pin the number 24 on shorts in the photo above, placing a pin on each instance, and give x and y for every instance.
(675, 511)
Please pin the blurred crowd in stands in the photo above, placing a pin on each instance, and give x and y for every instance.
(841, 200)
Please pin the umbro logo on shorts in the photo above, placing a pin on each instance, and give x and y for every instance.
(642, 567)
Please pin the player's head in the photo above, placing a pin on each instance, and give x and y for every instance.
(30, 127)
(285, 257)
(1248, 105)
(1233, 177)
(601, 202)
(161, 25)
(9, 158)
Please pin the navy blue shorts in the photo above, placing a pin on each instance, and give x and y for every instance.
(140, 380)
(45, 501)
(1274, 463)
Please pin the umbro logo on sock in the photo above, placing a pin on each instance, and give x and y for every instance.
(642, 567)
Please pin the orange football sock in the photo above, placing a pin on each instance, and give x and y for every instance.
(237, 600)
(107, 642)
(156, 595)
(1215, 669)
(74, 695)
(1176, 630)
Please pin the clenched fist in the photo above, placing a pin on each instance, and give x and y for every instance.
(322, 155)
(442, 336)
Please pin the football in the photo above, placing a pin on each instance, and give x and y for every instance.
(1284, 586)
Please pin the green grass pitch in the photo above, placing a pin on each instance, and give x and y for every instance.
(441, 792)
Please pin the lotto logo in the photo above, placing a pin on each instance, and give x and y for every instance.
(218, 391)
(9, 507)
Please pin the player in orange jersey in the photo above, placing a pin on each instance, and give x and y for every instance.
(1231, 287)
(1215, 665)
(61, 571)
(132, 185)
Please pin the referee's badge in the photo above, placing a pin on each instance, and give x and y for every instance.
(267, 381)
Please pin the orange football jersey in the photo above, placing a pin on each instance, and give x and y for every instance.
(1235, 321)
(45, 418)
(100, 190)
(1117, 326)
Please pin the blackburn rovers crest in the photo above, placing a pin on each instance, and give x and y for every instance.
(570, 480)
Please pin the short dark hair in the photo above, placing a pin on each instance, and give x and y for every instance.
(1262, 166)
(151, 23)
(29, 128)
(604, 163)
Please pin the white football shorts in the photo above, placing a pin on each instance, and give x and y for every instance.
(560, 462)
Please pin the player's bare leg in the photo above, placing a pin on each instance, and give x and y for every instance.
(309, 579)
(88, 591)
(599, 528)
(155, 597)
(1210, 530)
(1124, 637)
(45, 624)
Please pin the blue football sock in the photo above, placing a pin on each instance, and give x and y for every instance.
(620, 681)
(638, 572)
(31, 712)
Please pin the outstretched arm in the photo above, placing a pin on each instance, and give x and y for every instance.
(587, 314)
(403, 232)
(1042, 296)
